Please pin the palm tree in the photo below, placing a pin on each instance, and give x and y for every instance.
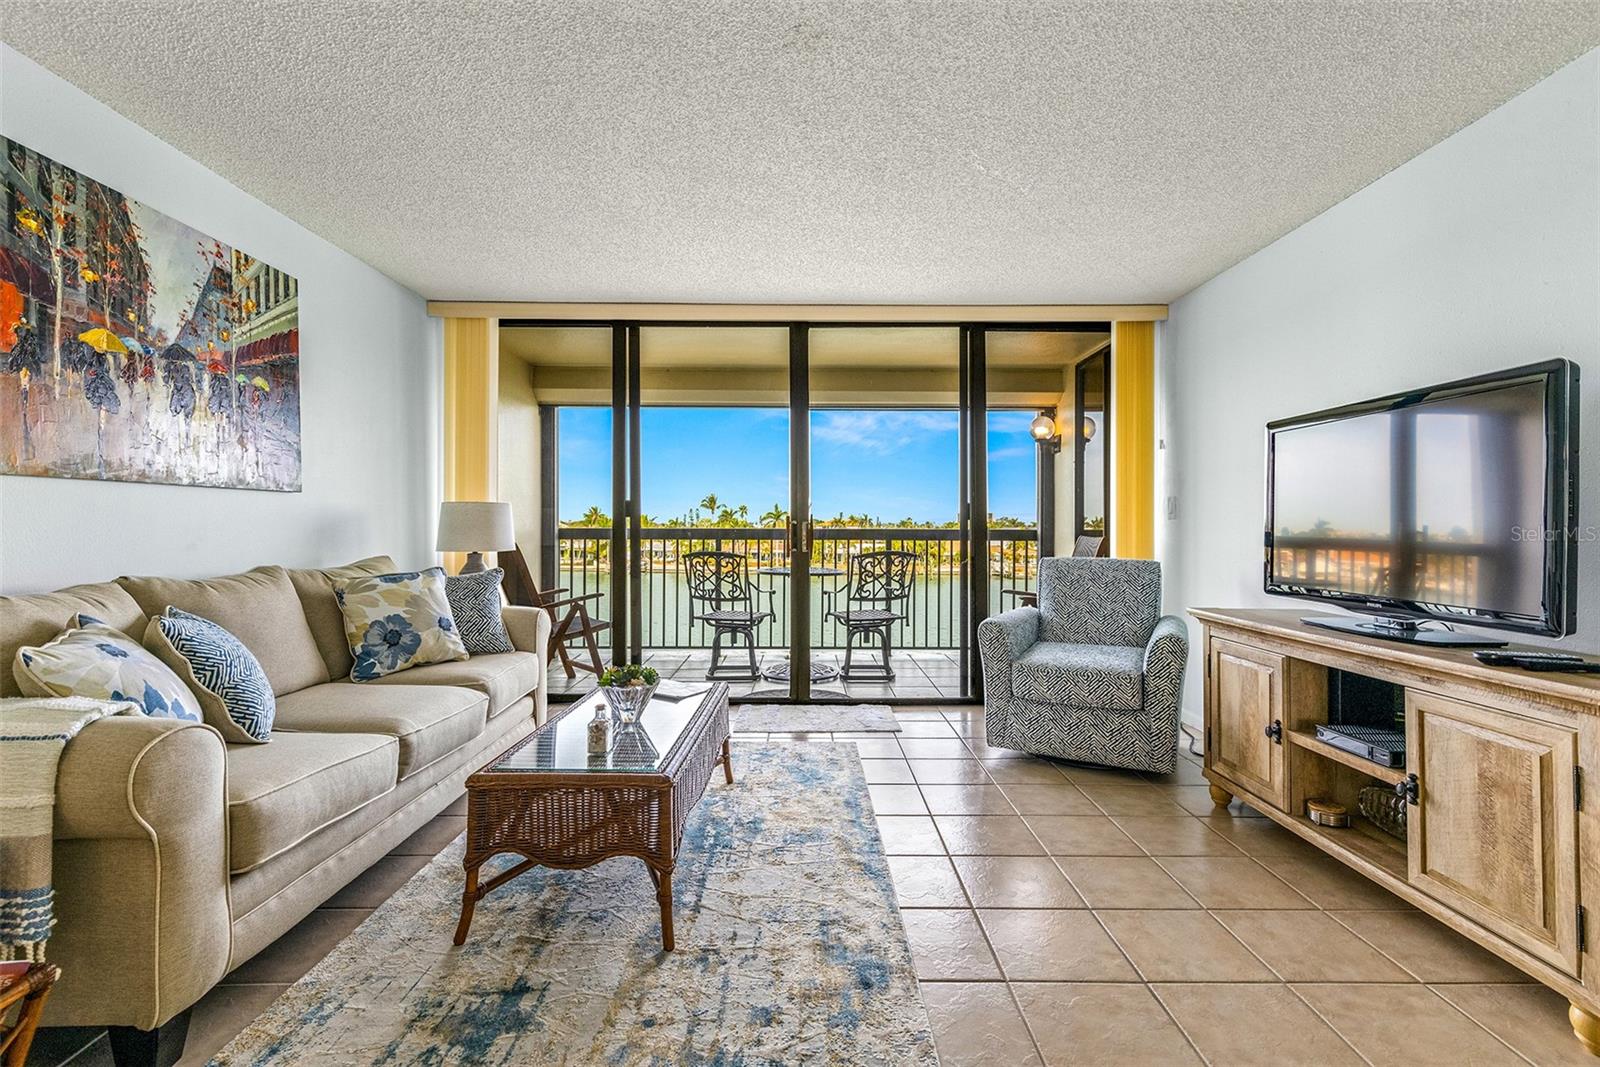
(711, 503)
(776, 516)
(594, 517)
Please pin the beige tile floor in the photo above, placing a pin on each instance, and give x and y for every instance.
(1073, 915)
(1062, 914)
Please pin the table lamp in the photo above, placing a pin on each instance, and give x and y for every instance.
(475, 527)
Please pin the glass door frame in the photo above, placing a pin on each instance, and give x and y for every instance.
(626, 588)
(1080, 443)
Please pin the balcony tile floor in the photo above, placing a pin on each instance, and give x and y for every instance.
(1054, 921)
(920, 674)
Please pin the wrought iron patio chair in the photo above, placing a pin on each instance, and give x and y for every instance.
(722, 596)
(872, 579)
(1087, 546)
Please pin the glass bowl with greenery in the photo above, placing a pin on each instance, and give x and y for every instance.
(627, 689)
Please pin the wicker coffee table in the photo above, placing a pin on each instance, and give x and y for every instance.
(547, 800)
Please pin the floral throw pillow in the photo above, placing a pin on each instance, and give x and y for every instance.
(397, 621)
(98, 661)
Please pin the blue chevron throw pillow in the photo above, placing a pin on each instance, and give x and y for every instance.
(475, 603)
(234, 693)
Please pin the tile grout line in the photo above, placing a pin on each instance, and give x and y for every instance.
(1293, 992)
(983, 930)
(1143, 981)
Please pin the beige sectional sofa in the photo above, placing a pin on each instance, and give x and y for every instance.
(178, 857)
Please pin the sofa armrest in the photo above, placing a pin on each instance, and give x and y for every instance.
(140, 866)
(1165, 656)
(1002, 640)
(529, 630)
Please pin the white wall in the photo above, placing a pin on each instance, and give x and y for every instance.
(369, 358)
(1482, 253)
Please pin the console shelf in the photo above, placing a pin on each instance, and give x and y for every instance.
(1361, 838)
(1307, 739)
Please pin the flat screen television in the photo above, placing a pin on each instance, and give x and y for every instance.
(1456, 502)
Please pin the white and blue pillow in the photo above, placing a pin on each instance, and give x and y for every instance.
(98, 661)
(397, 621)
(475, 604)
(233, 690)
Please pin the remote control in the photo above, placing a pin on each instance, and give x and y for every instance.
(1581, 667)
(1525, 659)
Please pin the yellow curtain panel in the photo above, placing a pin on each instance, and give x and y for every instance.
(471, 400)
(1133, 439)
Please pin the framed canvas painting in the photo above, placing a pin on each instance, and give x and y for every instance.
(134, 348)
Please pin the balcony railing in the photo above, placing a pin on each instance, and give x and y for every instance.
(933, 612)
(1441, 572)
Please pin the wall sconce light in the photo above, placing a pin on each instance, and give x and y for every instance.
(1088, 428)
(1043, 430)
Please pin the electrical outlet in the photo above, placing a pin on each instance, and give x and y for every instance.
(1172, 507)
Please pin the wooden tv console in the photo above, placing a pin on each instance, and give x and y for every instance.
(1503, 820)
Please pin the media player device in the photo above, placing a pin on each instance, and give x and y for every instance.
(1381, 746)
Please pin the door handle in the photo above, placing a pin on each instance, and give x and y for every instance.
(1275, 731)
(800, 535)
(1410, 789)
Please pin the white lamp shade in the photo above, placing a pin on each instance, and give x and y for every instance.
(475, 526)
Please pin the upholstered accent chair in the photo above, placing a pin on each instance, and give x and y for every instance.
(1093, 673)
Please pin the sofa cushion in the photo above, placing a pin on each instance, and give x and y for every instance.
(429, 721)
(35, 619)
(504, 678)
(281, 793)
(1082, 676)
(315, 589)
(259, 607)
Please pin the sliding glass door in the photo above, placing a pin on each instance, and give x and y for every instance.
(887, 501)
(808, 511)
(708, 464)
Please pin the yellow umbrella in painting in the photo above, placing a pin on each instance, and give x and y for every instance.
(260, 383)
(103, 341)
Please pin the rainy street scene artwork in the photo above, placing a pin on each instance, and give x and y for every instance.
(134, 348)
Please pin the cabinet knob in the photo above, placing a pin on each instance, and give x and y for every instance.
(1408, 789)
(1275, 731)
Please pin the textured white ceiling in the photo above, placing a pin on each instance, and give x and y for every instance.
(807, 151)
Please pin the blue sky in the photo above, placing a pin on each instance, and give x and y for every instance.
(888, 464)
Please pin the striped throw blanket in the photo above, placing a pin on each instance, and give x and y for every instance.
(33, 732)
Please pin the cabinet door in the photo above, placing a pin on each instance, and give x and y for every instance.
(1494, 831)
(1244, 701)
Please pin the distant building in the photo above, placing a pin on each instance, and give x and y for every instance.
(63, 232)
(269, 313)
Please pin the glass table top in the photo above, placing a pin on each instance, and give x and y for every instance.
(562, 746)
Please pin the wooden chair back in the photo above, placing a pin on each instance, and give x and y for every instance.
(1088, 546)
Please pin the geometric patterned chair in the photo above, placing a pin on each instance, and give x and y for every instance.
(1090, 674)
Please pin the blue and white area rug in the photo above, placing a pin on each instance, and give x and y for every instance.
(790, 950)
(812, 719)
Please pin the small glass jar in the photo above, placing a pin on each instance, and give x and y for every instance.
(600, 732)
